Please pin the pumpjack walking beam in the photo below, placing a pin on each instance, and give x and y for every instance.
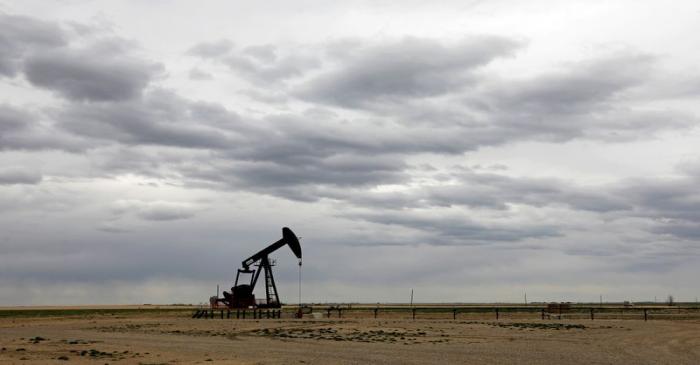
(288, 238)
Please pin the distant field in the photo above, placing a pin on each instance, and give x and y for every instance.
(168, 335)
(57, 311)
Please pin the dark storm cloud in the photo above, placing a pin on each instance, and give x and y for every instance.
(15, 176)
(468, 188)
(452, 230)
(316, 134)
(592, 99)
(20, 34)
(688, 230)
(21, 130)
(336, 170)
(160, 118)
(673, 206)
(276, 154)
(667, 208)
(411, 67)
(581, 100)
(307, 181)
(577, 87)
(498, 191)
(13, 119)
(98, 73)
(102, 70)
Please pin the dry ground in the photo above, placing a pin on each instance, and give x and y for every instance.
(175, 338)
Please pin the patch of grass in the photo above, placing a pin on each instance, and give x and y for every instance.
(543, 326)
(78, 342)
(330, 334)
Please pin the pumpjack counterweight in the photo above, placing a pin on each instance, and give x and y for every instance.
(241, 295)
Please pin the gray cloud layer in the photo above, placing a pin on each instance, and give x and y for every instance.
(18, 176)
(94, 75)
(101, 71)
(348, 134)
(410, 67)
(21, 34)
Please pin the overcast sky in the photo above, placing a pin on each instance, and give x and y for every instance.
(469, 150)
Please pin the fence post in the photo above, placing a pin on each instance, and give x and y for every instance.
(497, 313)
(645, 314)
(414, 313)
(454, 313)
(222, 314)
(542, 313)
(340, 312)
(243, 313)
(376, 310)
(329, 312)
(592, 317)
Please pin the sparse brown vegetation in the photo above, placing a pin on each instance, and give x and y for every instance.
(163, 337)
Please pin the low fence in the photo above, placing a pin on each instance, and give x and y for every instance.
(237, 313)
(460, 313)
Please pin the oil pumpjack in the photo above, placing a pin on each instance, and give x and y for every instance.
(241, 295)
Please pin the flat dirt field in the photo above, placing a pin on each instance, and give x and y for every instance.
(172, 337)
